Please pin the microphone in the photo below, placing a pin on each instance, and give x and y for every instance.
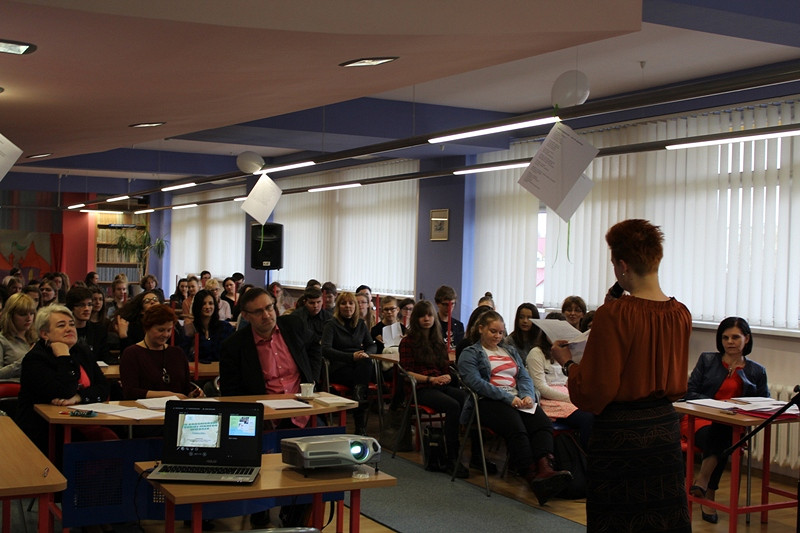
(616, 290)
(797, 388)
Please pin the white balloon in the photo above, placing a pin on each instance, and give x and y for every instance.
(569, 89)
(249, 162)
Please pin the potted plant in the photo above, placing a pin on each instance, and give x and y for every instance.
(139, 245)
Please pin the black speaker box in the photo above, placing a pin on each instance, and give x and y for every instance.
(266, 246)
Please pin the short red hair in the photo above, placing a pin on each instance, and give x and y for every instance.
(637, 242)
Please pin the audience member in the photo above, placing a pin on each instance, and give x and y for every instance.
(205, 275)
(346, 343)
(634, 366)
(150, 283)
(472, 334)
(238, 278)
(192, 286)
(312, 313)
(586, 321)
(487, 299)
(329, 293)
(523, 338)
(223, 309)
(722, 375)
(230, 296)
(16, 334)
(496, 372)
(313, 283)
(130, 327)
(92, 279)
(210, 329)
(388, 317)
(573, 309)
(177, 298)
(365, 311)
(452, 328)
(98, 307)
(93, 335)
(49, 293)
(33, 293)
(119, 292)
(13, 284)
(406, 306)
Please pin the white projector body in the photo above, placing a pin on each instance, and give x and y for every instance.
(320, 451)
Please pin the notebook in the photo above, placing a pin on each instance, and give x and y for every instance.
(211, 442)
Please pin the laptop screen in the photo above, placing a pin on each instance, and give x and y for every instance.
(213, 433)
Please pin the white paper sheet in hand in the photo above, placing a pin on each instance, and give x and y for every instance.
(262, 199)
(555, 174)
(9, 153)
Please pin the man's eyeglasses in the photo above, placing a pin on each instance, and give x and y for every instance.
(149, 300)
(268, 309)
(389, 309)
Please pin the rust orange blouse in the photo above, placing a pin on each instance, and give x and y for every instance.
(638, 349)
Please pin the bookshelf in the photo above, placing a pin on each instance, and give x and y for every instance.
(109, 260)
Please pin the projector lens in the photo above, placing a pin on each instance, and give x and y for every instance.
(359, 451)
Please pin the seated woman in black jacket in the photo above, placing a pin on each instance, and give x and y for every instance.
(721, 375)
(346, 343)
(60, 371)
(211, 331)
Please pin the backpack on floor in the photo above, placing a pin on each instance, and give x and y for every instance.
(434, 448)
(570, 456)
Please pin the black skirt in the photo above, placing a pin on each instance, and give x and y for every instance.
(635, 470)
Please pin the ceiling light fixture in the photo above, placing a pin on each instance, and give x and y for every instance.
(291, 166)
(240, 199)
(143, 211)
(76, 206)
(180, 186)
(117, 198)
(490, 169)
(16, 47)
(146, 124)
(335, 187)
(38, 156)
(496, 129)
(368, 62)
(104, 211)
(789, 130)
(184, 206)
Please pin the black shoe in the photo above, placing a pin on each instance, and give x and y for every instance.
(462, 472)
(259, 520)
(491, 468)
(207, 525)
(712, 518)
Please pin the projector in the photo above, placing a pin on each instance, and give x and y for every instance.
(320, 451)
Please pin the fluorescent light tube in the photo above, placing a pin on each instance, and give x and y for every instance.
(184, 206)
(176, 187)
(496, 129)
(728, 140)
(76, 206)
(143, 211)
(286, 167)
(490, 169)
(117, 198)
(334, 187)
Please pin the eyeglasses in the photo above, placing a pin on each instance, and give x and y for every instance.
(164, 375)
(389, 309)
(268, 309)
(149, 300)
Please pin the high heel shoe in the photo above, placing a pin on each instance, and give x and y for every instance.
(711, 518)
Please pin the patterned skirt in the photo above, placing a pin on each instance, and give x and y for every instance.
(635, 470)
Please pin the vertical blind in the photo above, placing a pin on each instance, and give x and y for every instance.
(208, 237)
(729, 214)
(365, 235)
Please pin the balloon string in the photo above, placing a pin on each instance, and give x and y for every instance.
(261, 240)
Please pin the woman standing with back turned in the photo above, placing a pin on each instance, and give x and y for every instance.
(633, 368)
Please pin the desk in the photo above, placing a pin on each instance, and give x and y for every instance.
(739, 423)
(204, 370)
(276, 479)
(26, 473)
(53, 415)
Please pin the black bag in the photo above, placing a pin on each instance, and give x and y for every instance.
(570, 456)
(434, 446)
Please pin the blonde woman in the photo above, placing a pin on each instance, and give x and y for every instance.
(16, 334)
(213, 286)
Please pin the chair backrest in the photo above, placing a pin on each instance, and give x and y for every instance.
(9, 389)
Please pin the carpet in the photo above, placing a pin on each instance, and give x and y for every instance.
(429, 502)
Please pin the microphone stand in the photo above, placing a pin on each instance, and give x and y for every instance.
(727, 453)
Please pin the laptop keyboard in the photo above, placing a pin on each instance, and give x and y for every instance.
(226, 470)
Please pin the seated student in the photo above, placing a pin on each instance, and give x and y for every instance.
(346, 343)
(487, 299)
(312, 312)
(721, 375)
(93, 335)
(32, 290)
(17, 334)
(49, 293)
(365, 311)
(573, 309)
(423, 354)
(119, 292)
(388, 317)
(445, 298)
(523, 338)
(205, 275)
(230, 296)
(152, 368)
(496, 372)
(472, 334)
(223, 309)
(206, 323)
(271, 355)
(129, 329)
(329, 294)
(60, 371)
(150, 283)
(192, 286)
(177, 298)
(98, 315)
(586, 322)
(406, 306)
(551, 383)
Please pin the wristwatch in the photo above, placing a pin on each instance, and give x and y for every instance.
(565, 368)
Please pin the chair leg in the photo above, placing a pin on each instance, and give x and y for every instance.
(403, 428)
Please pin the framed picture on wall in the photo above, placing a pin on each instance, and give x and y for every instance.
(440, 224)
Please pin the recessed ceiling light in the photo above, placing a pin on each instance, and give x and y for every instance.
(16, 47)
(367, 62)
(37, 156)
(147, 125)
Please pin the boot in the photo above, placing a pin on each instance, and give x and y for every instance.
(460, 470)
(360, 393)
(546, 482)
(360, 420)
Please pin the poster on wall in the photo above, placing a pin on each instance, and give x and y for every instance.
(30, 252)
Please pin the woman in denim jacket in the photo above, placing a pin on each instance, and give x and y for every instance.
(495, 371)
(724, 374)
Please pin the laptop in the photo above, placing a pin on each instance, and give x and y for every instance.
(211, 442)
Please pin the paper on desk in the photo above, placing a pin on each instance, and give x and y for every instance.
(285, 404)
(335, 401)
(392, 335)
(108, 408)
(139, 414)
(156, 403)
(555, 174)
(102, 364)
(710, 402)
(764, 405)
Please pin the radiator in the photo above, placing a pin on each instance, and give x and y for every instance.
(785, 452)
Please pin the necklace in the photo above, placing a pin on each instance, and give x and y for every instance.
(149, 348)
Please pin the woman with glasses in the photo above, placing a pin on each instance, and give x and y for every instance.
(128, 323)
(152, 368)
(16, 334)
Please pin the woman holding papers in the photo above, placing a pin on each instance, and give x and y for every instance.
(721, 375)
(151, 368)
(633, 367)
(495, 371)
(60, 371)
(423, 354)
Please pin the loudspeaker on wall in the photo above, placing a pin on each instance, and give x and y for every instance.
(266, 246)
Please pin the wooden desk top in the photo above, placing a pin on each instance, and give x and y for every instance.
(276, 479)
(718, 415)
(53, 413)
(393, 357)
(206, 370)
(26, 471)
